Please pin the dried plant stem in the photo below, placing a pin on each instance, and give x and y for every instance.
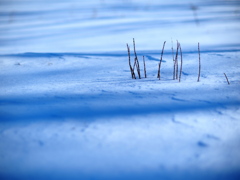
(145, 72)
(176, 63)
(226, 78)
(173, 62)
(136, 60)
(174, 70)
(130, 66)
(199, 64)
(180, 73)
(159, 65)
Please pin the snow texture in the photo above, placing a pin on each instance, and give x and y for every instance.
(69, 108)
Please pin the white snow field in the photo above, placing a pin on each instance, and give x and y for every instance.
(69, 108)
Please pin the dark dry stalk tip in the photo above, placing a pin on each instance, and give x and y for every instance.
(159, 66)
(226, 78)
(180, 73)
(199, 63)
(176, 63)
(130, 66)
(173, 62)
(136, 60)
(145, 72)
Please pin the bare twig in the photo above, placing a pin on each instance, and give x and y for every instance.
(176, 62)
(136, 60)
(145, 72)
(159, 65)
(199, 64)
(180, 73)
(173, 62)
(130, 66)
(226, 78)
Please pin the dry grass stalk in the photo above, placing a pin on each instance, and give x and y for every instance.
(159, 65)
(130, 66)
(180, 73)
(145, 72)
(176, 63)
(199, 63)
(226, 78)
(173, 62)
(136, 63)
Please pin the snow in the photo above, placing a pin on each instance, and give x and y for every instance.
(69, 108)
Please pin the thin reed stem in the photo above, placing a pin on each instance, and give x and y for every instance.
(226, 78)
(159, 66)
(180, 73)
(199, 63)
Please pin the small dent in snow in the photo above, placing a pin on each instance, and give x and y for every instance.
(219, 112)
(175, 121)
(177, 99)
(40, 143)
(202, 144)
(210, 136)
(180, 123)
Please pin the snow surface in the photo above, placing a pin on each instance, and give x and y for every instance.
(70, 110)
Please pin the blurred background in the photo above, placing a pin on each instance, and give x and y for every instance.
(107, 25)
